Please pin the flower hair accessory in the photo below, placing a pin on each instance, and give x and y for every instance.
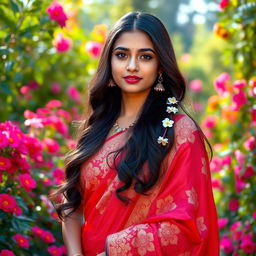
(168, 122)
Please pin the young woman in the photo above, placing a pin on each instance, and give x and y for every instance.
(138, 182)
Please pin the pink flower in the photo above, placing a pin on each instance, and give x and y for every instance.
(34, 147)
(56, 13)
(24, 89)
(222, 222)
(64, 114)
(221, 83)
(196, 85)
(17, 211)
(239, 185)
(239, 99)
(4, 142)
(223, 4)
(233, 205)
(55, 88)
(47, 237)
(226, 160)
(249, 172)
(93, 48)
(240, 157)
(198, 106)
(226, 245)
(27, 182)
(74, 94)
(239, 84)
(6, 252)
(61, 43)
(54, 250)
(37, 231)
(7, 202)
(54, 104)
(216, 183)
(254, 215)
(29, 114)
(51, 145)
(215, 164)
(250, 144)
(210, 122)
(59, 175)
(5, 163)
(21, 240)
(33, 85)
(235, 226)
(247, 245)
(64, 250)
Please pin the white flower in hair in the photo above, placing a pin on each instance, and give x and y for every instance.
(172, 100)
(162, 140)
(172, 110)
(167, 122)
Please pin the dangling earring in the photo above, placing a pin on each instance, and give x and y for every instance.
(159, 87)
(111, 83)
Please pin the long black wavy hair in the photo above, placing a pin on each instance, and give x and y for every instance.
(104, 106)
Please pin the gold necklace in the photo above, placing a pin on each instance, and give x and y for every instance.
(119, 129)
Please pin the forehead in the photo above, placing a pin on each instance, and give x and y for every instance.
(134, 40)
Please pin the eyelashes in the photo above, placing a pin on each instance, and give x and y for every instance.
(122, 56)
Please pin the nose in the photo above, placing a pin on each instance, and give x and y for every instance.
(132, 65)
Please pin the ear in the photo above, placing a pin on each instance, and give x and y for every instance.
(160, 70)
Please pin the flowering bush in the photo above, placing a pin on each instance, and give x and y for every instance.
(230, 124)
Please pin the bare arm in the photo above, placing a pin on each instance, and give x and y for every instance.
(71, 231)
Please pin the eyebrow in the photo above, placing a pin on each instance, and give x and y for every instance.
(140, 50)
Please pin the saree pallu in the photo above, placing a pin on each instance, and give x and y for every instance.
(177, 217)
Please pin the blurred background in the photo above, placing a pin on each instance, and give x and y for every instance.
(49, 51)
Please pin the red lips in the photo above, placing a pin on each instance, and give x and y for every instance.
(132, 79)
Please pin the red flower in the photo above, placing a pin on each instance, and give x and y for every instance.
(54, 250)
(226, 245)
(93, 48)
(6, 253)
(56, 13)
(61, 43)
(7, 203)
(233, 205)
(48, 237)
(27, 182)
(53, 104)
(247, 245)
(21, 240)
(223, 4)
(5, 163)
(51, 145)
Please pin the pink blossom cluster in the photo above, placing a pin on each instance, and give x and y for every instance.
(9, 204)
(56, 13)
(239, 238)
(6, 252)
(51, 117)
(44, 235)
(94, 48)
(57, 251)
(61, 42)
(30, 86)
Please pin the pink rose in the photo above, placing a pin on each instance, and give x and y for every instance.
(56, 13)
(196, 85)
(6, 252)
(222, 222)
(74, 94)
(55, 88)
(250, 144)
(239, 84)
(226, 245)
(61, 43)
(210, 121)
(51, 145)
(240, 157)
(247, 245)
(249, 172)
(24, 89)
(233, 205)
(54, 104)
(93, 48)
(239, 99)
(223, 4)
(221, 83)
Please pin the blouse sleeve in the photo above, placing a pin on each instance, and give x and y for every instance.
(182, 220)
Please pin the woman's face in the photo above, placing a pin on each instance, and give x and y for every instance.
(134, 62)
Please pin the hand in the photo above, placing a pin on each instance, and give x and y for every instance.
(101, 254)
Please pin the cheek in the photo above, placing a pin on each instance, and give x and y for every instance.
(116, 67)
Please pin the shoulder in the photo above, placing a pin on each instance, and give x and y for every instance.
(184, 129)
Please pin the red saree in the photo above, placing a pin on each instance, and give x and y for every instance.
(177, 218)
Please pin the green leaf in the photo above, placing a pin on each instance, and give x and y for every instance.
(14, 6)
(4, 50)
(4, 88)
(18, 77)
(9, 65)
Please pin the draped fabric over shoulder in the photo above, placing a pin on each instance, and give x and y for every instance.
(176, 218)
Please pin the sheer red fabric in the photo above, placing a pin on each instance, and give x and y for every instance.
(177, 217)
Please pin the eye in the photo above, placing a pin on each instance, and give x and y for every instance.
(121, 55)
(146, 57)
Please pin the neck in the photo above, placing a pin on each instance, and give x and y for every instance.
(132, 104)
